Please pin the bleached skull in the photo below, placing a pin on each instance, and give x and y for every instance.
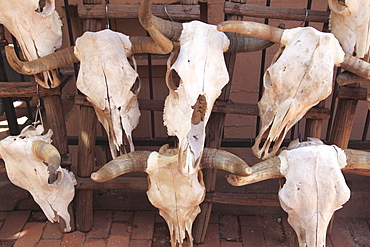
(37, 27)
(33, 164)
(350, 23)
(176, 196)
(203, 73)
(299, 77)
(109, 83)
(314, 189)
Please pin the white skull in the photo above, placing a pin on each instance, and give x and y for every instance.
(314, 189)
(27, 171)
(350, 23)
(203, 73)
(176, 196)
(299, 77)
(37, 30)
(109, 83)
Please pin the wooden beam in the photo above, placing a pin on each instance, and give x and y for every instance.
(226, 107)
(354, 93)
(175, 11)
(25, 89)
(276, 13)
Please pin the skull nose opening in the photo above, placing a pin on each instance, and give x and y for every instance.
(173, 80)
(200, 108)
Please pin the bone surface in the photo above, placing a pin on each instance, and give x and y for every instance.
(29, 172)
(299, 77)
(38, 30)
(350, 23)
(203, 73)
(108, 81)
(314, 189)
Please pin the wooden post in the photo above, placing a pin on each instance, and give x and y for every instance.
(86, 144)
(214, 133)
(343, 122)
(314, 126)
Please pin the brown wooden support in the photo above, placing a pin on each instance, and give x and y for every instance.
(175, 11)
(86, 144)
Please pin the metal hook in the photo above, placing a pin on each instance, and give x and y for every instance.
(165, 10)
(106, 13)
(305, 18)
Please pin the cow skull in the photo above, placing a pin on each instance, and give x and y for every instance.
(176, 196)
(37, 28)
(109, 83)
(314, 187)
(203, 73)
(350, 22)
(33, 164)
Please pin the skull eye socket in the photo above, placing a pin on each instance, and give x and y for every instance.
(136, 86)
(45, 7)
(173, 80)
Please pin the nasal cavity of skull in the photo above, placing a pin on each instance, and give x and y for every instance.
(200, 108)
(173, 80)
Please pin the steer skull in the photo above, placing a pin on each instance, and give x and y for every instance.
(33, 164)
(37, 28)
(314, 187)
(176, 196)
(350, 23)
(109, 83)
(203, 73)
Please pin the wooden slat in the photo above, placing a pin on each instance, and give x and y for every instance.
(275, 13)
(176, 11)
(25, 89)
(219, 107)
(243, 199)
(119, 183)
(354, 93)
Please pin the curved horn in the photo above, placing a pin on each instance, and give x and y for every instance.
(253, 29)
(246, 44)
(49, 155)
(358, 162)
(49, 62)
(130, 162)
(148, 21)
(220, 159)
(261, 171)
(273, 34)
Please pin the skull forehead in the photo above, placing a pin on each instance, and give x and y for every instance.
(200, 63)
(103, 57)
(313, 176)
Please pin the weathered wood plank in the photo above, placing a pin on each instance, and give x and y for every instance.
(119, 183)
(175, 11)
(25, 89)
(352, 93)
(275, 12)
(227, 107)
(270, 200)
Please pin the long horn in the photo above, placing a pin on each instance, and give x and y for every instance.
(148, 21)
(49, 155)
(261, 171)
(358, 162)
(220, 159)
(49, 62)
(130, 162)
(273, 34)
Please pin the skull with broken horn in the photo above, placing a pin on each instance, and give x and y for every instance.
(176, 196)
(37, 27)
(315, 187)
(33, 164)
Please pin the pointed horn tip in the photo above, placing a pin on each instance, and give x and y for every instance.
(224, 26)
(95, 177)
